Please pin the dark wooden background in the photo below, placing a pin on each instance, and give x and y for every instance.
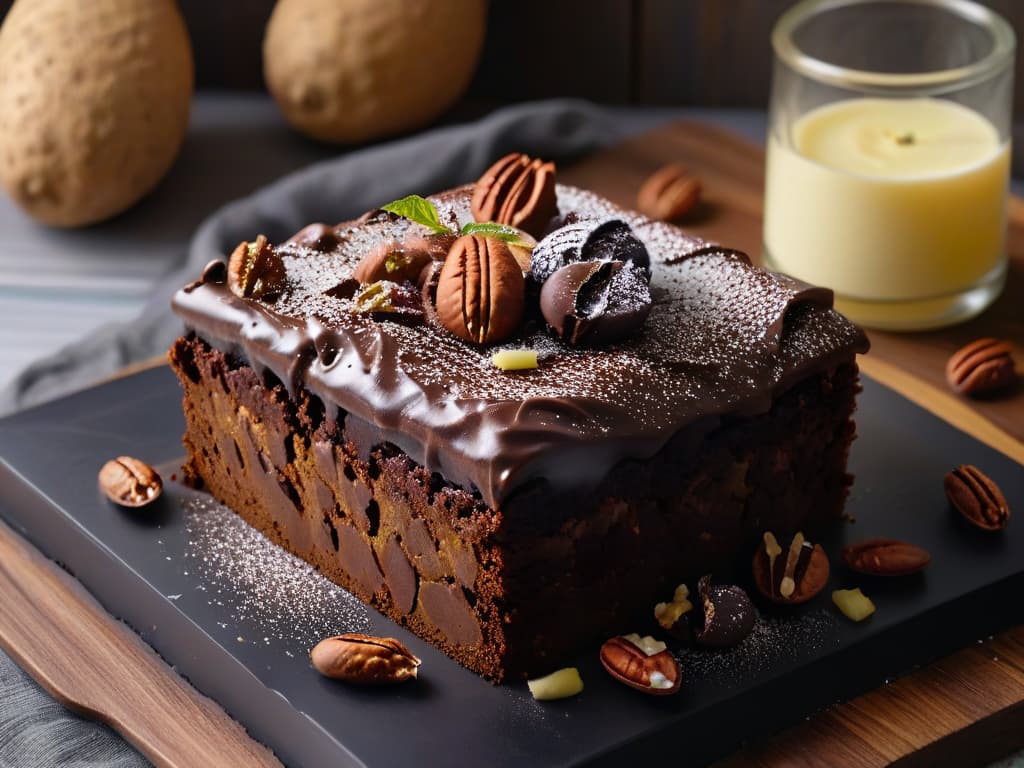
(661, 52)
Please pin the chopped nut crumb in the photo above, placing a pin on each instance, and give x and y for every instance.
(558, 685)
(647, 644)
(515, 359)
(667, 614)
(659, 681)
(854, 604)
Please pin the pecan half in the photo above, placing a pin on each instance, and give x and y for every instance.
(977, 498)
(518, 191)
(791, 575)
(642, 663)
(357, 658)
(392, 261)
(669, 193)
(129, 482)
(255, 271)
(885, 557)
(981, 367)
(480, 291)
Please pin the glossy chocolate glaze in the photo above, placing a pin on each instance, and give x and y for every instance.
(722, 337)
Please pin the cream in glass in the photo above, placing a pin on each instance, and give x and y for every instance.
(891, 187)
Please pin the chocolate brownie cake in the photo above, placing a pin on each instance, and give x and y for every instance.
(682, 402)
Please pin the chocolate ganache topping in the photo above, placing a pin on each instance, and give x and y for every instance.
(722, 337)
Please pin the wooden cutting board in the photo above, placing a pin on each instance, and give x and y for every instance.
(964, 709)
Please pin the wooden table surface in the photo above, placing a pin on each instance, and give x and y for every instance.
(965, 709)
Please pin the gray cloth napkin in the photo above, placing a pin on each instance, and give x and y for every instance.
(331, 191)
(35, 730)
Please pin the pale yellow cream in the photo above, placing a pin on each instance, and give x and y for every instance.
(891, 200)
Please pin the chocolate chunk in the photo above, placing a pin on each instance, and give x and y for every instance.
(324, 495)
(357, 558)
(446, 607)
(614, 240)
(325, 457)
(463, 563)
(728, 614)
(589, 240)
(230, 453)
(422, 550)
(596, 302)
(262, 470)
(356, 496)
(399, 575)
(330, 530)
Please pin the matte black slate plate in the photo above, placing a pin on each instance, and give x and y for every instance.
(236, 616)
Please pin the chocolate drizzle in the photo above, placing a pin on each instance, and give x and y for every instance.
(721, 337)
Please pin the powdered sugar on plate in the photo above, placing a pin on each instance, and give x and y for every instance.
(771, 643)
(277, 597)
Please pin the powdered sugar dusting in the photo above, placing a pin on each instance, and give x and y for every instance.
(714, 342)
(524, 713)
(289, 603)
(713, 325)
(773, 641)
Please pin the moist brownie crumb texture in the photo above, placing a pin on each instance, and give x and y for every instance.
(511, 518)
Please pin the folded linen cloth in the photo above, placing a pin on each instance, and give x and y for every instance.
(37, 731)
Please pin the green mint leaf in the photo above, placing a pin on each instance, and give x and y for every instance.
(490, 229)
(499, 231)
(420, 210)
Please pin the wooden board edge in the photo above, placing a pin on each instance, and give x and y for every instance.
(138, 367)
(980, 743)
(43, 606)
(869, 730)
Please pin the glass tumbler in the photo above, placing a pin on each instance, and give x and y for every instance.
(888, 159)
